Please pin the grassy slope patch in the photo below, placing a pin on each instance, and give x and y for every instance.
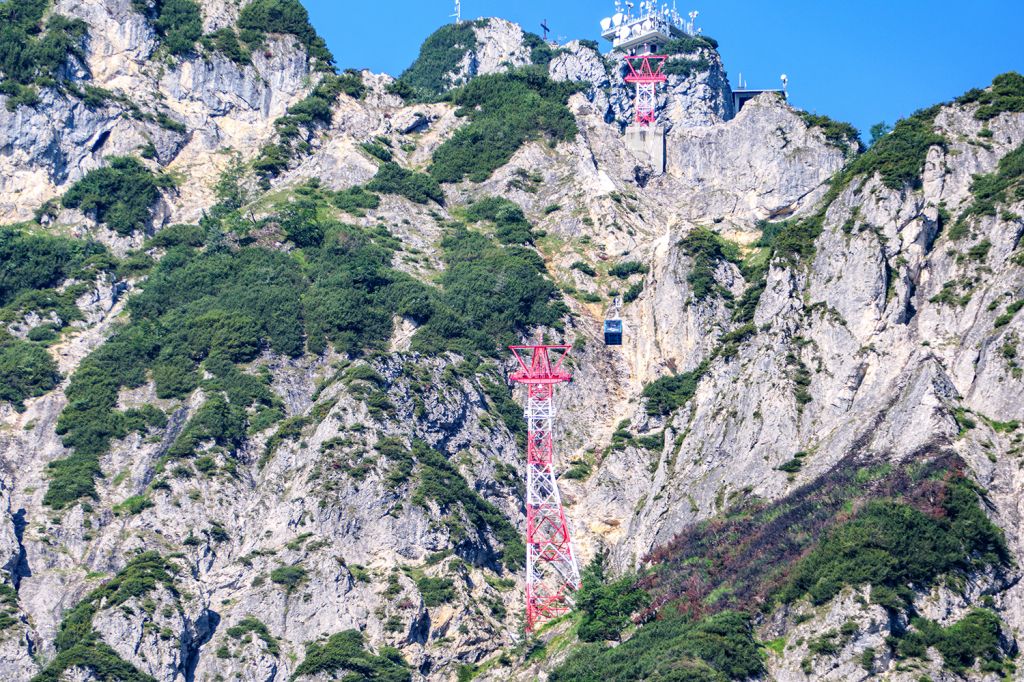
(990, 190)
(178, 23)
(1005, 95)
(913, 526)
(296, 128)
(26, 370)
(504, 111)
(205, 311)
(346, 651)
(78, 645)
(714, 649)
(120, 195)
(33, 55)
(288, 17)
(428, 77)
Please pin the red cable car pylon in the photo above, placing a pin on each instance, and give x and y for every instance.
(552, 574)
(646, 72)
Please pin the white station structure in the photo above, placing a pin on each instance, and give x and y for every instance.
(649, 27)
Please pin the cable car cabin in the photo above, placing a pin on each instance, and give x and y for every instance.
(613, 332)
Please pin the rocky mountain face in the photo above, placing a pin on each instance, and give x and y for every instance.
(816, 341)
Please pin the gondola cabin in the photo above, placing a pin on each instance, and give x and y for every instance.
(613, 332)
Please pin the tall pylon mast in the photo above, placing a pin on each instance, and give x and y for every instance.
(646, 72)
(552, 574)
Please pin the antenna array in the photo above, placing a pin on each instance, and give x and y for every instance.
(649, 21)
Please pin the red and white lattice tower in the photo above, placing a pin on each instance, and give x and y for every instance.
(645, 71)
(552, 575)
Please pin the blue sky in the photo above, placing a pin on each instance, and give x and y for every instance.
(861, 62)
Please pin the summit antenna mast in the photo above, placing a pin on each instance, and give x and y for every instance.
(458, 12)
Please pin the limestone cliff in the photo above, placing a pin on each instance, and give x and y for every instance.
(884, 332)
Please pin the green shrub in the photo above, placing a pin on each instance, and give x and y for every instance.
(667, 394)
(894, 545)
(955, 292)
(395, 451)
(627, 269)
(300, 223)
(419, 188)
(441, 483)
(256, 626)
(355, 200)
(8, 606)
(588, 297)
(477, 310)
(225, 41)
(316, 107)
(436, 591)
(96, 656)
(427, 78)
(684, 68)
(715, 649)
(216, 420)
(510, 222)
(346, 652)
(794, 465)
(899, 157)
(975, 636)
(633, 292)
(838, 133)
(289, 577)
(504, 112)
(654, 441)
(378, 151)
(795, 242)
(285, 16)
(585, 268)
(686, 44)
(1005, 95)
(44, 333)
(178, 235)
(606, 606)
(26, 371)
(80, 646)
(178, 23)
(135, 504)
(1005, 185)
(708, 250)
(120, 194)
(168, 123)
(980, 251)
(356, 293)
(579, 471)
(32, 56)
(541, 53)
(31, 262)
(1011, 312)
